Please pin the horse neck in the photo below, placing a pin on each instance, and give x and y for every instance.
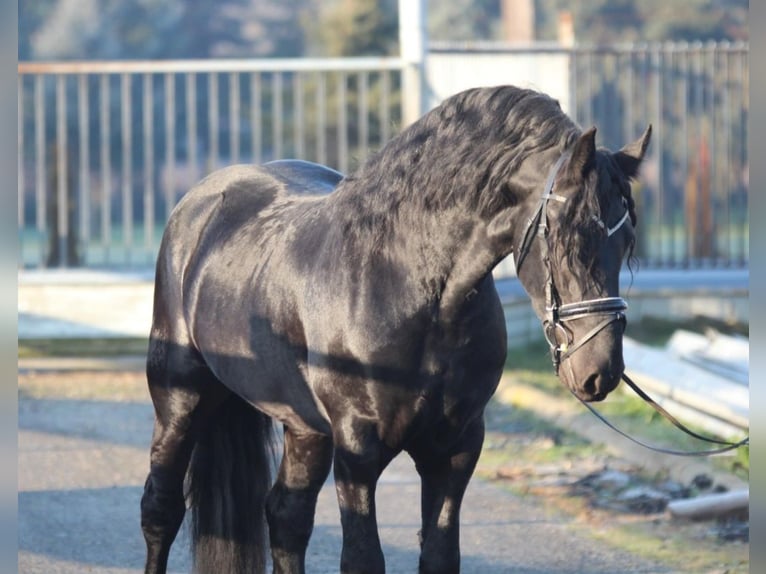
(446, 251)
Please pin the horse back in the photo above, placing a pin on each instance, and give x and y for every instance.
(234, 196)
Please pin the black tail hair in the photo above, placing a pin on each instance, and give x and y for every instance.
(229, 477)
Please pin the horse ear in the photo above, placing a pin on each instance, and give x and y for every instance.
(629, 158)
(584, 153)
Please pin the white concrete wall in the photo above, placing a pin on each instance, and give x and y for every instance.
(450, 73)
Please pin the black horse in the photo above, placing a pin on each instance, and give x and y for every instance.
(360, 313)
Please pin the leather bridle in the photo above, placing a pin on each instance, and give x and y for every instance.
(557, 315)
(611, 308)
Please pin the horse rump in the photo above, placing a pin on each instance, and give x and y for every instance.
(228, 478)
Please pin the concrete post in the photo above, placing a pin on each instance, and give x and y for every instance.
(413, 40)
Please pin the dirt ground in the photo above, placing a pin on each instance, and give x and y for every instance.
(603, 499)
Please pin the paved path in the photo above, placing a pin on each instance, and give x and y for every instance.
(82, 465)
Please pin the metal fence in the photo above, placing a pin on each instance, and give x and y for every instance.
(692, 195)
(106, 149)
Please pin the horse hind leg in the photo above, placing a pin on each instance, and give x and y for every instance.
(291, 503)
(176, 382)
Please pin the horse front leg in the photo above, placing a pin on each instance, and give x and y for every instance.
(357, 469)
(291, 504)
(444, 478)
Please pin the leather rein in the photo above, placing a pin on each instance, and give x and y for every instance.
(611, 308)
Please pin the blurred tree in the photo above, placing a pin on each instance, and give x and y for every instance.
(351, 28)
(158, 29)
(32, 17)
(603, 21)
(464, 20)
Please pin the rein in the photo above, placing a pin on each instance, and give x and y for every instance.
(612, 308)
(728, 445)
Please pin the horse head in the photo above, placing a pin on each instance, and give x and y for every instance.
(569, 257)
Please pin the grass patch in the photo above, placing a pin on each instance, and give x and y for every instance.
(38, 348)
(531, 366)
(113, 386)
(514, 434)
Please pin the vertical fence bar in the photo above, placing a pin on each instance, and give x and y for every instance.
(84, 179)
(589, 85)
(573, 84)
(148, 109)
(629, 123)
(255, 117)
(62, 174)
(170, 144)
(664, 247)
(725, 173)
(683, 131)
(697, 239)
(20, 144)
(711, 211)
(106, 167)
(363, 116)
(40, 158)
(127, 165)
(299, 134)
(385, 107)
(276, 116)
(191, 124)
(234, 117)
(342, 124)
(744, 82)
(321, 126)
(212, 111)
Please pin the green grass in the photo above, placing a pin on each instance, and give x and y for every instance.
(37, 348)
(531, 365)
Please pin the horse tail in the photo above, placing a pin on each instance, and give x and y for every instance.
(229, 477)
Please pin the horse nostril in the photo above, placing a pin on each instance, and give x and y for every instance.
(590, 386)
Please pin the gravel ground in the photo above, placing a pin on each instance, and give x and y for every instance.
(83, 444)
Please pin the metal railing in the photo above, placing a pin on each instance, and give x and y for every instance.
(107, 148)
(692, 195)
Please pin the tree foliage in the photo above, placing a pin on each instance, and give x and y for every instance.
(604, 21)
(464, 20)
(158, 29)
(351, 28)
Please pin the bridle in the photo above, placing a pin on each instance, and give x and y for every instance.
(557, 315)
(611, 308)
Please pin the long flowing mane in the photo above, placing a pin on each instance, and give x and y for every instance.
(462, 154)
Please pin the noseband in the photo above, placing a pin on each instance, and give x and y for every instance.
(558, 314)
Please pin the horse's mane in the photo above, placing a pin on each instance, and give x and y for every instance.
(465, 148)
(463, 154)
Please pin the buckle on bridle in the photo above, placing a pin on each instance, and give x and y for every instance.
(557, 349)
